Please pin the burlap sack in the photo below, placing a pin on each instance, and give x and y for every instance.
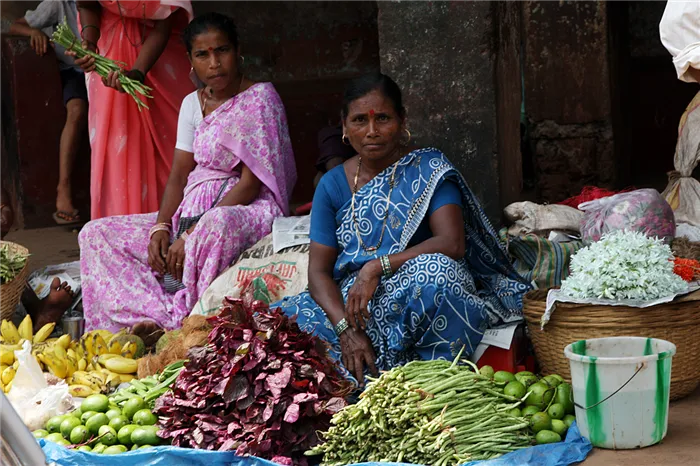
(683, 191)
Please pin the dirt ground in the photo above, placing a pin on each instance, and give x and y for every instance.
(681, 446)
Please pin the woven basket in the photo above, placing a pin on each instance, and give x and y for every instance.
(11, 292)
(677, 322)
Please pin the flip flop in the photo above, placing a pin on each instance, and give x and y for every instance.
(66, 218)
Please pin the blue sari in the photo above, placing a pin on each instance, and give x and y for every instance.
(432, 306)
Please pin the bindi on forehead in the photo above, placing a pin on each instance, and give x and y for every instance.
(371, 112)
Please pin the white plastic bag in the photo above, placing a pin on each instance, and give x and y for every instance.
(32, 397)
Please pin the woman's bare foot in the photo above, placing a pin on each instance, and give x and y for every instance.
(51, 308)
(148, 331)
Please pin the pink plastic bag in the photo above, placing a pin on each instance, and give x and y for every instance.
(643, 210)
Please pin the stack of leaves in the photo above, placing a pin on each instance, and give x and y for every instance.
(426, 412)
(11, 263)
(260, 387)
(63, 36)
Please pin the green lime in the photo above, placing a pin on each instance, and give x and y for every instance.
(523, 373)
(540, 421)
(569, 419)
(547, 436)
(515, 389)
(40, 433)
(515, 412)
(145, 447)
(87, 415)
(556, 411)
(54, 424)
(113, 412)
(503, 377)
(85, 448)
(54, 437)
(144, 436)
(526, 380)
(63, 442)
(96, 402)
(118, 422)
(124, 434)
(144, 417)
(67, 426)
(95, 422)
(134, 447)
(107, 435)
(79, 434)
(540, 395)
(132, 406)
(99, 448)
(552, 381)
(529, 411)
(76, 413)
(559, 427)
(564, 397)
(557, 376)
(487, 371)
(115, 450)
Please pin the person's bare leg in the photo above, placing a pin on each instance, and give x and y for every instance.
(71, 138)
(51, 308)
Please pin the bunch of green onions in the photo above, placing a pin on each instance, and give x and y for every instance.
(64, 37)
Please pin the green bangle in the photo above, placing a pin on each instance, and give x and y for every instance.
(386, 266)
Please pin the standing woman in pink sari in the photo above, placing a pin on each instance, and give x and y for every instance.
(232, 175)
(132, 151)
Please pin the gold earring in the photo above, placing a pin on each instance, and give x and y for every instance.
(409, 136)
(344, 139)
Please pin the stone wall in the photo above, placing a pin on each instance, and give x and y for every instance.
(445, 57)
(567, 96)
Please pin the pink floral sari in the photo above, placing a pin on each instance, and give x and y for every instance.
(132, 151)
(119, 287)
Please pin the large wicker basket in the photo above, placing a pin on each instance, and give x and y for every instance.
(677, 322)
(11, 292)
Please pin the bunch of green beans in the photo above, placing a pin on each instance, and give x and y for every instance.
(426, 412)
(11, 263)
(64, 37)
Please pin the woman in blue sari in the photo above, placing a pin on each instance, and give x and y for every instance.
(403, 263)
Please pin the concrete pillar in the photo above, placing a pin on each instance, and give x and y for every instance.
(458, 66)
(567, 96)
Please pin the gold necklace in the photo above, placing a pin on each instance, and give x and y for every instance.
(143, 24)
(386, 210)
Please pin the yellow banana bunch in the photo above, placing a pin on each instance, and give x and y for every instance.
(81, 391)
(44, 333)
(129, 350)
(7, 356)
(100, 345)
(121, 365)
(56, 365)
(25, 329)
(114, 347)
(64, 341)
(8, 375)
(9, 332)
(60, 352)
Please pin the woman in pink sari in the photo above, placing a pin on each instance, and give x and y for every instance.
(232, 176)
(132, 150)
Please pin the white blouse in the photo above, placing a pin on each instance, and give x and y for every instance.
(680, 34)
(189, 119)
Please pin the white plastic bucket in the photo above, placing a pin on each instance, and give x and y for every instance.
(621, 390)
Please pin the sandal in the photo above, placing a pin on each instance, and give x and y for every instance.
(66, 218)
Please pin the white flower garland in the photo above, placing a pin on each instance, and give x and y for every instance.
(623, 265)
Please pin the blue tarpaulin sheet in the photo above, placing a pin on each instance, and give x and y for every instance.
(574, 449)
